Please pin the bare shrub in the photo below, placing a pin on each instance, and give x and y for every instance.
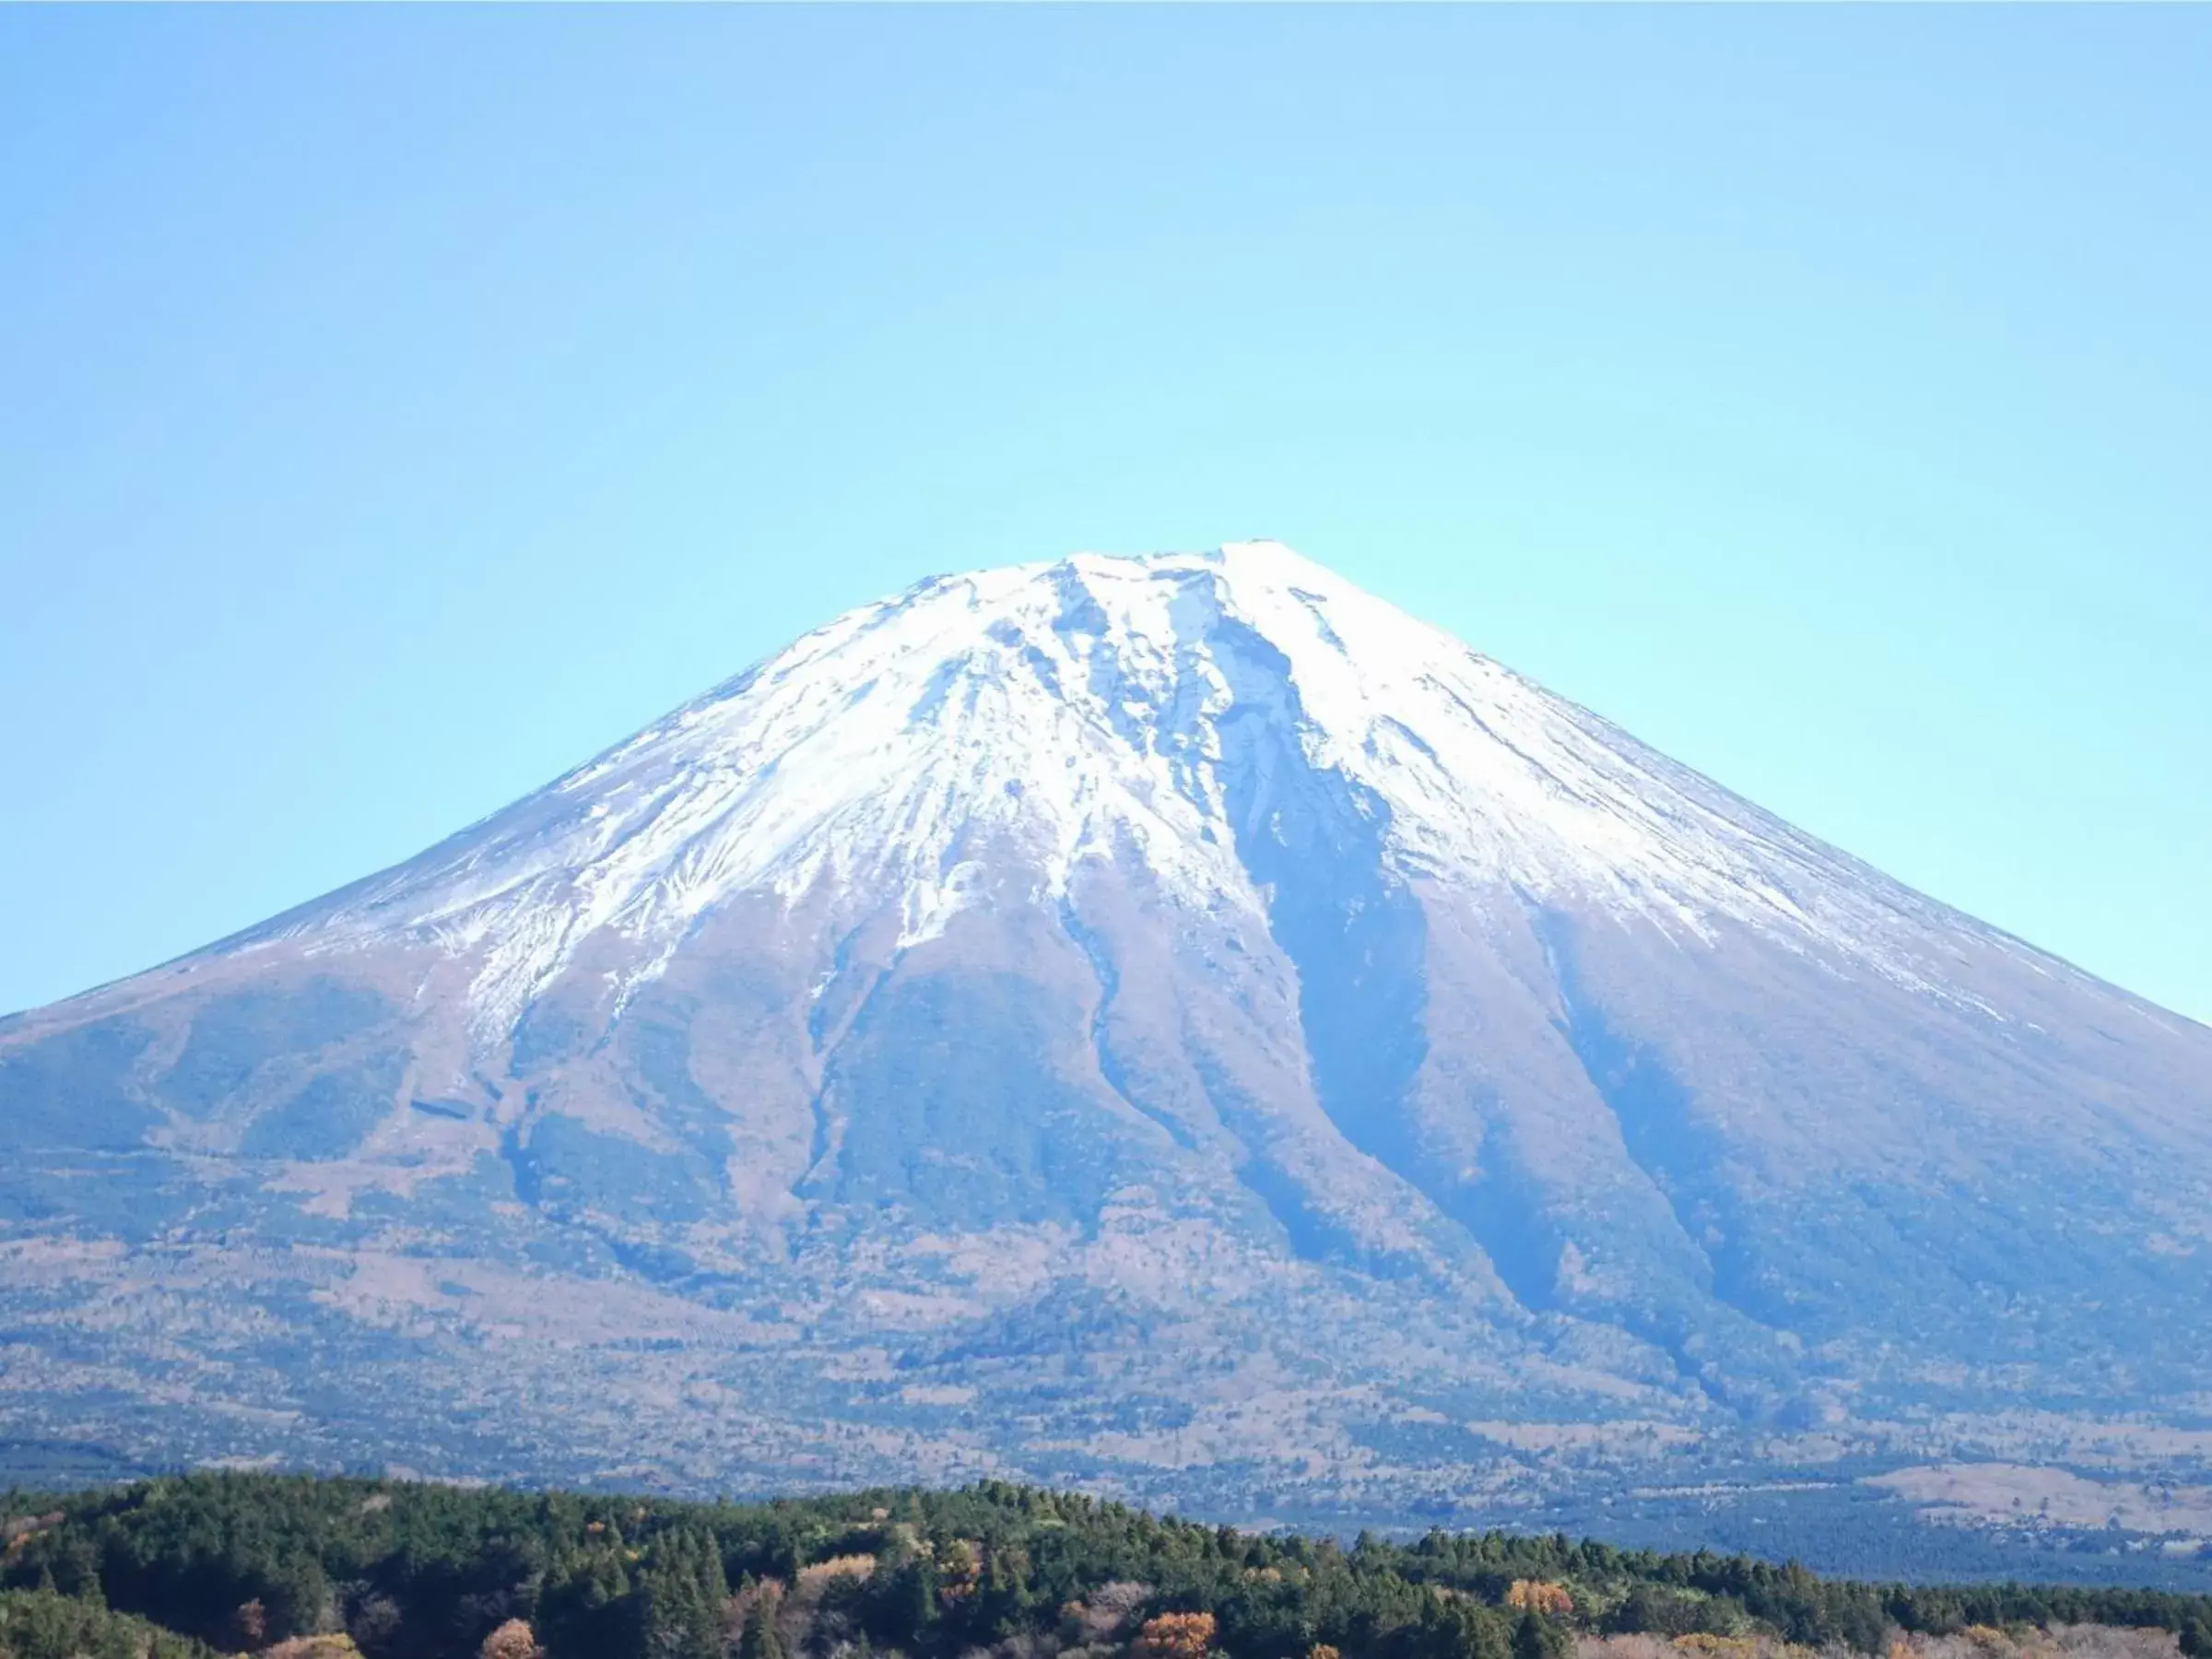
(2028, 1642)
(513, 1640)
(1624, 1647)
(813, 1580)
(1102, 1615)
(1697, 1645)
(2113, 1642)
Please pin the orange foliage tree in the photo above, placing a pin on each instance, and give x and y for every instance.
(1540, 1595)
(1176, 1636)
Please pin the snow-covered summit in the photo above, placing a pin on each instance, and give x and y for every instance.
(1082, 710)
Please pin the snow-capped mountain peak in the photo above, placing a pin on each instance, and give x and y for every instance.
(1112, 993)
(1080, 710)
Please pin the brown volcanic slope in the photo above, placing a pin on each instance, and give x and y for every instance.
(1176, 1024)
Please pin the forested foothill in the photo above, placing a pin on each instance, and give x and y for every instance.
(307, 1568)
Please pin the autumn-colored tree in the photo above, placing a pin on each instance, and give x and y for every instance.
(513, 1640)
(959, 1571)
(1176, 1636)
(1322, 1650)
(1540, 1595)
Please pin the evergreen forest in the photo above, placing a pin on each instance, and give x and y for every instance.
(307, 1568)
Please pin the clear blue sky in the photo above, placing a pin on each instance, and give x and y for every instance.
(397, 406)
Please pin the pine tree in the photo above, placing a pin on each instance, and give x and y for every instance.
(1536, 1637)
(761, 1641)
(682, 1588)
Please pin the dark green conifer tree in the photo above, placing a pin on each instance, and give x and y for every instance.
(760, 1640)
(1536, 1637)
(681, 1589)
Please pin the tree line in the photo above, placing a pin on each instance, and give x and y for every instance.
(188, 1566)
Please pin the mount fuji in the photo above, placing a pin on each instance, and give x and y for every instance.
(1176, 1024)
